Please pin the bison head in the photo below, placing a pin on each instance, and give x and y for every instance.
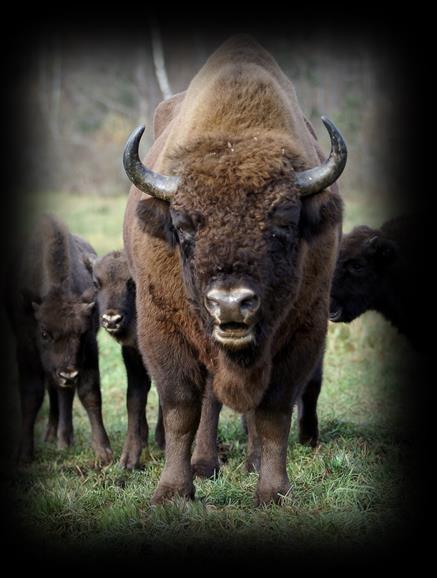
(115, 292)
(63, 321)
(239, 212)
(363, 266)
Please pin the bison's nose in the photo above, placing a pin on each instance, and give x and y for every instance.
(237, 305)
(67, 377)
(111, 321)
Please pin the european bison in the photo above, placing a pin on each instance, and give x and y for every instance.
(378, 269)
(116, 303)
(53, 315)
(232, 241)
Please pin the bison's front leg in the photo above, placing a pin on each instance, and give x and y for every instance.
(32, 395)
(65, 423)
(253, 458)
(52, 425)
(272, 426)
(90, 396)
(138, 386)
(205, 460)
(180, 422)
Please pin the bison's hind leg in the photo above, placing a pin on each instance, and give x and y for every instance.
(307, 410)
(205, 460)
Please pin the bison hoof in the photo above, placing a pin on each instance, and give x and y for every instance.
(253, 464)
(65, 441)
(131, 459)
(268, 496)
(165, 493)
(205, 469)
(307, 439)
(50, 435)
(103, 456)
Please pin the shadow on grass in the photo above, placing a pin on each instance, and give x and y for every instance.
(335, 429)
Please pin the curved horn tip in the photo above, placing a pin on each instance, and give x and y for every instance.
(140, 129)
(333, 131)
(314, 180)
(146, 180)
(137, 133)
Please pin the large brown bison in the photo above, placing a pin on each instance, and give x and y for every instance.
(51, 307)
(231, 235)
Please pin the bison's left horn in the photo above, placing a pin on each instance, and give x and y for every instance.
(315, 180)
(147, 181)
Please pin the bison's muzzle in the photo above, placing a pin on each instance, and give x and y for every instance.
(112, 321)
(233, 312)
(68, 377)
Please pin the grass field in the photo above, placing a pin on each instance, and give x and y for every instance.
(346, 492)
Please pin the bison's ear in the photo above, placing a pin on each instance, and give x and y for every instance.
(155, 220)
(87, 308)
(382, 250)
(88, 295)
(31, 301)
(318, 213)
(88, 260)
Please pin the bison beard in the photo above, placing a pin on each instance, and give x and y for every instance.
(240, 240)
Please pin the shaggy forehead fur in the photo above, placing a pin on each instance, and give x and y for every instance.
(62, 313)
(224, 168)
(352, 243)
(112, 266)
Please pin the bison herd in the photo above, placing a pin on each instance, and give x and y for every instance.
(233, 262)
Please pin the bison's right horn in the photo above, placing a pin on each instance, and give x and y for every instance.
(314, 180)
(147, 181)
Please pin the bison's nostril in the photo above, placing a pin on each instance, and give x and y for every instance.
(111, 319)
(250, 304)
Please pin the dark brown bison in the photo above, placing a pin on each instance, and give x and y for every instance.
(378, 269)
(231, 235)
(116, 303)
(50, 301)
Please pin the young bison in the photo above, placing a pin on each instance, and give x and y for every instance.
(53, 315)
(116, 301)
(376, 269)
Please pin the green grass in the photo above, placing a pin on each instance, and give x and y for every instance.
(344, 492)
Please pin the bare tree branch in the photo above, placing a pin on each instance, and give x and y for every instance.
(159, 61)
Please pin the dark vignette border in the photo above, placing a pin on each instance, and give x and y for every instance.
(403, 40)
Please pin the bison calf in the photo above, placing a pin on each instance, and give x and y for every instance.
(376, 270)
(52, 311)
(116, 301)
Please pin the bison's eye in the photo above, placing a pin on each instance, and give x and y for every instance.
(184, 225)
(45, 335)
(284, 219)
(96, 282)
(356, 267)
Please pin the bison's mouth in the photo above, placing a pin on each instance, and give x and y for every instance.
(67, 379)
(234, 335)
(336, 315)
(67, 383)
(113, 323)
